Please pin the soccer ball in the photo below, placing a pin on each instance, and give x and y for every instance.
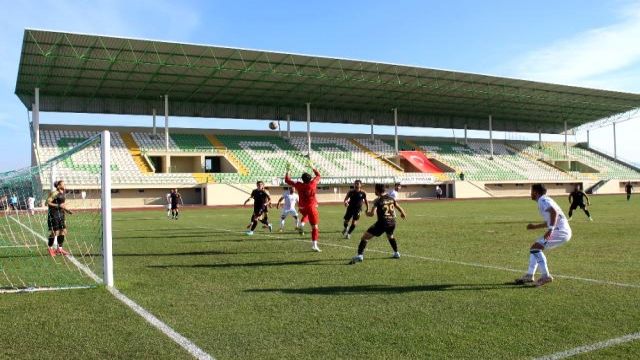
(273, 125)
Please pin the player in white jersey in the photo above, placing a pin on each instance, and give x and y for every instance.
(31, 205)
(168, 197)
(558, 233)
(290, 199)
(395, 193)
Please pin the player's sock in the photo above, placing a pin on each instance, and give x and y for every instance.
(254, 223)
(362, 246)
(570, 213)
(51, 240)
(345, 224)
(315, 233)
(587, 213)
(60, 240)
(533, 262)
(351, 228)
(542, 262)
(281, 224)
(394, 245)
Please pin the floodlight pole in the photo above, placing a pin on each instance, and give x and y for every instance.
(588, 142)
(36, 118)
(289, 126)
(166, 122)
(309, 129)
(395, 129)
(615, 150)
(491, 135)
(373, 138)
(465, 135)
(566, 141)
(154, 122)
(107, 247)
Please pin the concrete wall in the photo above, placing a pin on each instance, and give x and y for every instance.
(131, 198)
(186, 164)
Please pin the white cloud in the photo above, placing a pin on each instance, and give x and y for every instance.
(592, 58)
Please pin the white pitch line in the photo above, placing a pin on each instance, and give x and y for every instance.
(484, 266)
(30, 290)
(592, 347)
(185, 343)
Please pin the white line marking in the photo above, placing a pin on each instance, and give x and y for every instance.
(185, 343)
(17, 246)
(596, 281)
(30, 290)
(592, 347)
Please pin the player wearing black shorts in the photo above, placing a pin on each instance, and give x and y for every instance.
(261, 204)
(353, 201)
(577, 198)
(56, 221)
(384, 208)
(176, 199)
(628, 188)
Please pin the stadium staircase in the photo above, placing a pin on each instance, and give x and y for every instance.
(593, 188)
(229, 155)
(397, 168)
(136, 154)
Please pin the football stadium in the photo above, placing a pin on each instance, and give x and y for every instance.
(129, 241)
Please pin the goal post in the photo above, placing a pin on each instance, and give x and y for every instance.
(32, 256)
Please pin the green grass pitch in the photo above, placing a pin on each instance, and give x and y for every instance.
(269, 297)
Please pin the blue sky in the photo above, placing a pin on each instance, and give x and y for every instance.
(586, 43)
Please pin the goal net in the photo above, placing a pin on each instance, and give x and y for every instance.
(27, 262)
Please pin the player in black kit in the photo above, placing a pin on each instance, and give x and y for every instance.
(175, 198)
(383, 207)
(353, 201)
(261, 204)
(628, 188)
(56, 218)
(577, 198)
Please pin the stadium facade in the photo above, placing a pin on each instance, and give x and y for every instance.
(67, 72)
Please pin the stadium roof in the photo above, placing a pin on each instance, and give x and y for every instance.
(110, 75)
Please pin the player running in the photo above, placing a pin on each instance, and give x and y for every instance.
(628, 188)
(56, 218)
(175, 198)
(384, 207)
(290, 199)
(558, 233)
(308, 205)
(261, 205)
(168, 198)
(577, 198)
(395, 193)
(353, 202)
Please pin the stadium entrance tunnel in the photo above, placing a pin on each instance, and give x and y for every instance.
(574, 166)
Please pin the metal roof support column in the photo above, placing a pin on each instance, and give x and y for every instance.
(373, 138)
(279, 129)
(395, 129)
(309, 130)
(540, 138)
(154, 122)
(588, 142)
(289, 126)
(465, 135)
(166, 123)
(615, 149)
(35, 109)
(491, 135)
(566, 142)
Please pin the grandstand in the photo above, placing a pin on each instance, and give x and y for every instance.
(214, 167)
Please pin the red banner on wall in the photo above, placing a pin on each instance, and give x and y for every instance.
(420, 161)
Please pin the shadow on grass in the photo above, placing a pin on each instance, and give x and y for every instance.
(387, 289)
(249, 264)
(208, 252)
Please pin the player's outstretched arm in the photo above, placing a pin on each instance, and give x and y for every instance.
(532, 226)
(346, 199)
(403, 214)
(246, 201)
(371, 211)
(588, 200)
(366, 205)
(279, 201)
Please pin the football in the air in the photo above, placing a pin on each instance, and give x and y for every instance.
(273, 125)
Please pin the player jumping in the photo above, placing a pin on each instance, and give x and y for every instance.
(558, 233)
(576, 198)
(290, 199)
(261, 204)
(353, 202)
(56, 218)
(384, 208)
(308, 205)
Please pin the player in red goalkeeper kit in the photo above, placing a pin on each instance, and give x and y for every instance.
(308, 204)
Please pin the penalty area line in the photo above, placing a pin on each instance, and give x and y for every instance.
(591, 347)
(456, 262)
(179, 339)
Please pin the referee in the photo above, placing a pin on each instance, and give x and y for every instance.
(577, 198)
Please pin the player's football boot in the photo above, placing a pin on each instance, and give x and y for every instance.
(62, 251)
(270, 228)
(525, 279)
(544, 280)
(316, 248)
(396, 255)
(249, 232)
(356, 259)
(52, 252)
